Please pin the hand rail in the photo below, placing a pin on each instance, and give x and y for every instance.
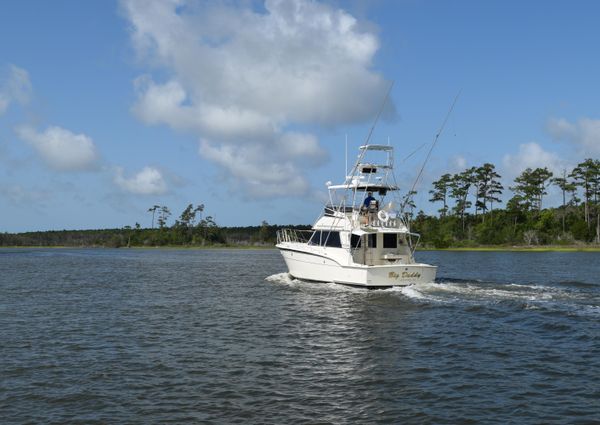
(293, 235)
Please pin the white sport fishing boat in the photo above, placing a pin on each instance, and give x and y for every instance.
(359, 239)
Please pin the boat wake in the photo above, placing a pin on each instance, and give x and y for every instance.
(287, 279)
(284, 278)
(571, 299)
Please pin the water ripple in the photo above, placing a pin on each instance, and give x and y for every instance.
(128, 336)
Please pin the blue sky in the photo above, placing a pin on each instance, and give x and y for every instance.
(108, 108)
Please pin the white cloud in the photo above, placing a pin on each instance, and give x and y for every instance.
(14, 87)
(302, 145)
(168, 104)
(257, 175)
(149, 181)
(61, 149)
(584, 134)
(241, 78)
(532, 155)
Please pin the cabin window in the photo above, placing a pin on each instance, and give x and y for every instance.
(325, 239)
(390, 240)
(331, 239)
(355, 241)
(372, 241)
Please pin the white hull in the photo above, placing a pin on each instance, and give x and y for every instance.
(319, 266)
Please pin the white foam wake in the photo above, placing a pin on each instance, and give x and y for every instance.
(473, 293)
(284, 278)
(479, 293)
(287, 279)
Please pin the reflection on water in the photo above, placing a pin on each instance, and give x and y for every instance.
(227, 337)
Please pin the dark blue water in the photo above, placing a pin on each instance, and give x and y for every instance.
(156, 336)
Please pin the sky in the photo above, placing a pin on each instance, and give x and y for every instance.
(110, 107)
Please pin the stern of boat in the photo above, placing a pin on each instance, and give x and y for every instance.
(403, 275)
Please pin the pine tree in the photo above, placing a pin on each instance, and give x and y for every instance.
(153, 211)
(459, 190)
(565, 186)
(163, 217)
(587, 176)
(488, 187)
(440, 193)
(531, 187)
(408, 205)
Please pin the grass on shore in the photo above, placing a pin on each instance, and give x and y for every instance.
(537, 248)
(173, 247)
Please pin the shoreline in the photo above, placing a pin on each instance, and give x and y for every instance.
(166, 247)
(540, 248)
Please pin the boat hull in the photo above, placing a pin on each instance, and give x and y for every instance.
(322, 268)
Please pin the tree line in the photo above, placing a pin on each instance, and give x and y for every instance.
(469, 214)
(470, 210)
(190, 229)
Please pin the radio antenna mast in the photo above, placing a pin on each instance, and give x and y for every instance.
(387, 95)
(362, 153)
(346, 154)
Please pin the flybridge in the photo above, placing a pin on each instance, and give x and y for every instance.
(367, 156)
(372, 170)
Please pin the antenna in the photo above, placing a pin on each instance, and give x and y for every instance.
(387, 95)
(362, 153)
(437, 136)
(346, 155)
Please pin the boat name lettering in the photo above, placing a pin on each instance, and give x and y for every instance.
(405, 275)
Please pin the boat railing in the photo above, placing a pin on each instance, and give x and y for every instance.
(333, 210)
(293, 235)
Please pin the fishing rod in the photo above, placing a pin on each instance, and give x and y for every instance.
(435, 140)
(415, 151)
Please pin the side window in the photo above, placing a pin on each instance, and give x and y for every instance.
(332, 239)
(372, 240)
(390, 240)
(355, 241)
(315, 239)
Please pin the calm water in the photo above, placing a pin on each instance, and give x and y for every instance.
(156, 336)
